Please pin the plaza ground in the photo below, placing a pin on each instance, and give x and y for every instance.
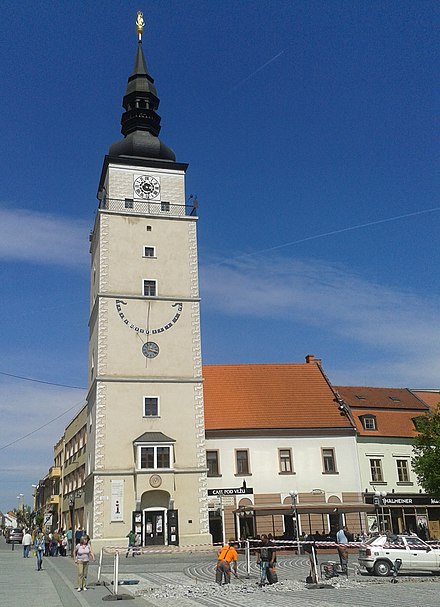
(186, 579)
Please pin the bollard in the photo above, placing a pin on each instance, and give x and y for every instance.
(98, 581)
(248, 559)
(116, 573)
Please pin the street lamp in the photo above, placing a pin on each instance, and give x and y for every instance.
(379, 500)
(294, 497)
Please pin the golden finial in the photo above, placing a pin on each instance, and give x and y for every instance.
(140, 25)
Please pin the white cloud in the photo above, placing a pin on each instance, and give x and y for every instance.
(401, 326)
(42, 238)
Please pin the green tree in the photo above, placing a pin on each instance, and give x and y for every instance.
(426, 460)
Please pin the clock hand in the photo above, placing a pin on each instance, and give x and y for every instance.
(148, 327)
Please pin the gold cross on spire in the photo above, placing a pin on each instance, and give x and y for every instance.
(140, 25)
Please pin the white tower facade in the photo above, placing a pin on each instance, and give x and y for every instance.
(146, 463)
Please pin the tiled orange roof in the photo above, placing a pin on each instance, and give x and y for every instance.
(269, 396)
(393, 409)
(382, 398)
(388, 423)
(432, 399)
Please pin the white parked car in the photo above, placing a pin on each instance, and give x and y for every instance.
(378, 554)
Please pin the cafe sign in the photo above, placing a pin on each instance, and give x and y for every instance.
(233, 491)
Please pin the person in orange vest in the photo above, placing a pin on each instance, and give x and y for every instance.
(227, 556)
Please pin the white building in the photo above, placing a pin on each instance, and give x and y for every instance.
(270, 430)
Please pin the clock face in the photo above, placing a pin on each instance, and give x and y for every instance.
(155, 481)
(146, 187)
(150, 349)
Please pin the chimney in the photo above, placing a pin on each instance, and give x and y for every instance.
(310, 358)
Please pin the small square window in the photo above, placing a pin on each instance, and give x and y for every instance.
(151, 406)
(328, 461)
(129, 203)
(369, 423)
(148, 228)
(149, 251)
(165, 206)
(150, 289)
(242, 461)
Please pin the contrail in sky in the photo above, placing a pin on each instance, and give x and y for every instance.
(332, 233)
(256, 71)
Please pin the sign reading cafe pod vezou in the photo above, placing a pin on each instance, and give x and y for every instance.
(402, 512)
(219, 498)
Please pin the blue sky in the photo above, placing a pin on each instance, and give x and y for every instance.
(298, 119)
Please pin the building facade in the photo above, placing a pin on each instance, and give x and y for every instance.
(273, 432)
(385, 419)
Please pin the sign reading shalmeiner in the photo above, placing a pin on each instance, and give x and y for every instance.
(234, 491)
(406, 500)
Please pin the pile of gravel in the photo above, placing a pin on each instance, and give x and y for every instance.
(242, 586)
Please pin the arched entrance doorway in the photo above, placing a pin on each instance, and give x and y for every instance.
(335, 518)
(246, 521)
(159, 526)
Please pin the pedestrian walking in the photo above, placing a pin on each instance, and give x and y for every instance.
(69, 535)
(226, 556)
(342, 540)
(266, 555)
(47, 540)
(78, 535)
(39, 546)
(26, 541)
(83, 554)
(131, 543)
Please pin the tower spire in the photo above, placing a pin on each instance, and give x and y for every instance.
(140, 123)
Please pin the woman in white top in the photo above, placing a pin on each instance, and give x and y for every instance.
(83, 553)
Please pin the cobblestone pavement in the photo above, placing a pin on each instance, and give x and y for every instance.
(187, 581)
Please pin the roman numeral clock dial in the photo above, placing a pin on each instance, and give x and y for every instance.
(150, 348)
(147, 187)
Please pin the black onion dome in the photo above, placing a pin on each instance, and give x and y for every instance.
(140, 123)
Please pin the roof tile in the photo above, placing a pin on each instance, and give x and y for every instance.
(269, 396)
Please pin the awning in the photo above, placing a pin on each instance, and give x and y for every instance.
(287, 509)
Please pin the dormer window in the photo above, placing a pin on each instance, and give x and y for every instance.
(394, 399)
(360, 397)
(368, 422)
